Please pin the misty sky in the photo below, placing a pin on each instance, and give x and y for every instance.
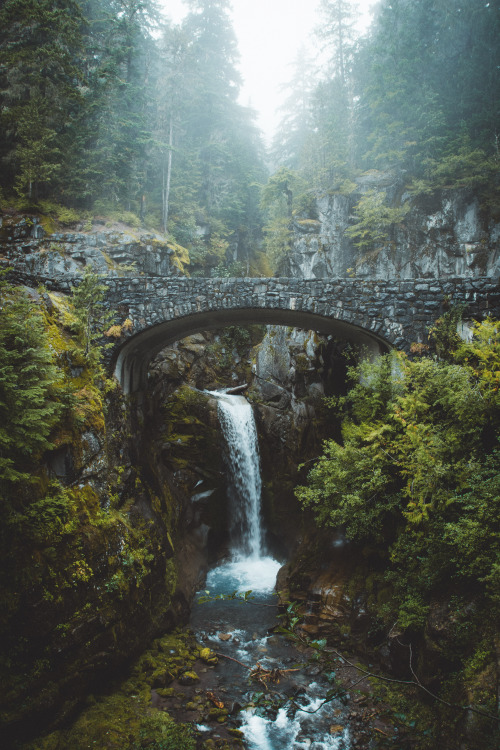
(269, 34)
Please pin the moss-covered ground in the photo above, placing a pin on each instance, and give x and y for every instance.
(134, 715)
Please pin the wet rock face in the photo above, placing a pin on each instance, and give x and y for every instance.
(338, 592)
(292, 371)
(448, 235)
(206, 361)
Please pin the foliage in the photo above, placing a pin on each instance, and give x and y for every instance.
(461, 165)
(64, 215)
(40, 62)
(159, 732)
(282, 184)
(125, 718)
(139, 125)
(91, 316)
(277, 199)
(472, 535)
(74, 548)
(277, 241)
(37, 151)
(374, 220)
(444, 333)
(30, 387)
(418, 469)
(340, 496)
(416, 98)
(149, 124)
(297, 121)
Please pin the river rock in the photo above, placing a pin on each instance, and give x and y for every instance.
(208, 656)
(188, 678)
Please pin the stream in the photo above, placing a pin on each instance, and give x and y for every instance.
(289, 713)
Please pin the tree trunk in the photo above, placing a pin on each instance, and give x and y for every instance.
(167, 176)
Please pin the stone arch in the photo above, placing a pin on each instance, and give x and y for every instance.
(132, 358)
(380, 314)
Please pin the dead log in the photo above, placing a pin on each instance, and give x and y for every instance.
(237, 389)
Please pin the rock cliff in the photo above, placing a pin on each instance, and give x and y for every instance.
(116, 251)
(448, 234)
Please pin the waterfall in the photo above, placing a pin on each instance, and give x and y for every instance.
(247, 635)
(242, 459)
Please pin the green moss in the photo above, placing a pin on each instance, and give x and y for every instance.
(309, 223)
(165, 692)
(126, 719)
(180, 255)
(85, 555)
(48, 223)
(413, 719)
(61, 214)
(208, 656)
(217, 713)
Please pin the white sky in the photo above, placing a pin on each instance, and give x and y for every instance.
(269, 33)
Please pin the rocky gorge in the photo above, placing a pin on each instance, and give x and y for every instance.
(146, 482)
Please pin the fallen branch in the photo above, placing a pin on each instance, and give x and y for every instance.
(327, 700)
(233, 659)
(264, 676)
(260, 673)
(237, 389)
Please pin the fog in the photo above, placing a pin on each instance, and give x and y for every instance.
(269, 33)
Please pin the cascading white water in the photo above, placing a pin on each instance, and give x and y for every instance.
(244, 490)
(248, 630)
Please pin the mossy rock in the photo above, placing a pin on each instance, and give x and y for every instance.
(161, 678)
(188, 678)
(148, 664)
(216, 713)
(165, 692)
(208, 656)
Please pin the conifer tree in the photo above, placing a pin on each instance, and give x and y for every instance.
(296, 125)
(40, 74)
(29, 385)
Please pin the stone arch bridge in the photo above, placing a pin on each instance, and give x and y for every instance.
(378, 314)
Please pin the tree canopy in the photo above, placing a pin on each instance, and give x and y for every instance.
(106, 107)
(418, 96)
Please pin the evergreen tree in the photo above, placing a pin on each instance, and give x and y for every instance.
(212, 58)
(29, 390)
(116, 121)
(296, 125)
(217, 150)
(428, 75)
(172, 92)
(339, 36)
(40, 76)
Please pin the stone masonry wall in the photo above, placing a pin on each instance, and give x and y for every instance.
(159, 310)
